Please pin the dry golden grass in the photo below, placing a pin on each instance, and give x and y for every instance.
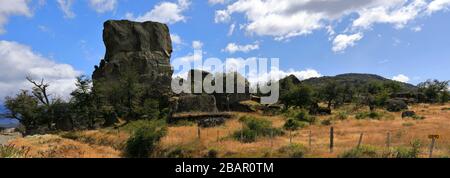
(108, 142)
(347, 133)
(53, 146)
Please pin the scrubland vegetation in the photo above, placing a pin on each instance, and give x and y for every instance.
(107, 121)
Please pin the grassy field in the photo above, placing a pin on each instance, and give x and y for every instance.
(183, 141)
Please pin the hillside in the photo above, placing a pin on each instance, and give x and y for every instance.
(353, 79)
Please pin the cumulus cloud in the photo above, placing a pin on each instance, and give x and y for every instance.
(102, 6)
(165, 12)
(12, 7)
(401, 78)
(233, 48)
(438, 5)
(285, 19)
(176, 39)
(342, 42)
(66, 8)
(19, 60)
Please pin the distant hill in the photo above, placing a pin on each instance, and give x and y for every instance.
(353, 79)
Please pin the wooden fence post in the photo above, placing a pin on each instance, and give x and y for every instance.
(290, 136)
(271, 138)
(360, 140)
(218, 135)
(433, 141)
(331, 139)
(310, 138)
(388, 140)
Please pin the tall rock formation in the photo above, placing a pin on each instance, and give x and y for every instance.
(144, 48)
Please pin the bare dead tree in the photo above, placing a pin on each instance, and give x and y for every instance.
(40, 91)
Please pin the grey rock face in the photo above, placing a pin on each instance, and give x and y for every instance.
(408, 114)
(141, 47)
(195, 103)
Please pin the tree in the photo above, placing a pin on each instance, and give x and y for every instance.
(434, 90)
(25, 108)
(330, 93)
(301, 96)
(83, 102)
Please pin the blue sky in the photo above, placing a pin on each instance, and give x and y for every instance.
(397, 39)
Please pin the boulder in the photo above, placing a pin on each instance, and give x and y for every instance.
(194, 103)
(394, 105)
(315, 109)
(211, 122)
(408, 114)
(144, 48)
(227, 100)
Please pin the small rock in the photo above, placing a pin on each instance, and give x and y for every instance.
(408, 114)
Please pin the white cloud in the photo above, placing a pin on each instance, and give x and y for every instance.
(176, 39)
(231, 30)
(233, 47)
(165, 12)
(285, 19)
(66, 7)
(10, 8)
(102, 6)
(416, 29)
(276, 74)
(19, 60)
(197, 44)
(217, 1)
(342, 42)
(438, 5)
(401, 78)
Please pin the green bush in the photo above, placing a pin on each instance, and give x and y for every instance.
(292, 124)
(145, 139)
(305, 117)
(412, 152)
(326, 122)
(255, 127)
(371, 115)
(342, 116)
(300, 115)
(417, 117)
(294, 150)
(364, 151)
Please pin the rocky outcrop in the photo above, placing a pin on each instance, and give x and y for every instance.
(144, 48)
(396, 105)
(226, 101)
(194, 103)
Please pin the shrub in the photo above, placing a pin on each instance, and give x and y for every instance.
(180, 153)
(300, 115)
(393, 105)
(292, 124)
(413, 152)
(371, 115)
(417, 117)
(326, 122)
(145, 139)
(212, 153)
(342, 116)
(254, 127)
(293, 150)
(364, 151)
